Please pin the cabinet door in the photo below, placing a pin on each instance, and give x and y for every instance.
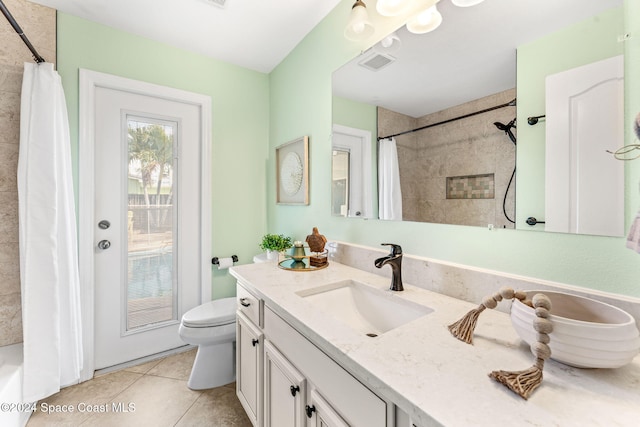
(321, 414)
(284, 391)
(249, 341)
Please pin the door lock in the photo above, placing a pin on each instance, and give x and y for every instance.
(104, 224)
(104, 244)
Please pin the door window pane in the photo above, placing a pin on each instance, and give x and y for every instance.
(340, 183)
(151, 267)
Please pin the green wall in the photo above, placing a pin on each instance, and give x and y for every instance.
(552, 54)
(240, 123)
(300, 99)
(355, 114)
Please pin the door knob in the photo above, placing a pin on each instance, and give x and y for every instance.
(104, 244)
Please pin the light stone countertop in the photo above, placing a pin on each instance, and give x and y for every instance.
(437, 379)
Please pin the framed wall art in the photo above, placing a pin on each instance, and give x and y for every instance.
(292, 172)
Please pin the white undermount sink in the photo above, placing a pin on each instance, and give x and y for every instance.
(364, 308)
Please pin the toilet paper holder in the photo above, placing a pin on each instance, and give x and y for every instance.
(215, 260)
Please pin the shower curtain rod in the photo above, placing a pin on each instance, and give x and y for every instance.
(14, 24)
(511, 103)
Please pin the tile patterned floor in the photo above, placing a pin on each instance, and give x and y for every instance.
(153, 394)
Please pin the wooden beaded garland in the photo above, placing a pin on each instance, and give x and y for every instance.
(521, 382)
(489, 302)
(543, 338)
(540, 300)
(520, 295)
(541, 312)
(507, 293)
(542, 325)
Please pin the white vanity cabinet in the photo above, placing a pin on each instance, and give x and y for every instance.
(321, 414)
(297, 384)
(338, 397)
(249, 354)
(285, 391)
(403, 419)
(249, 362)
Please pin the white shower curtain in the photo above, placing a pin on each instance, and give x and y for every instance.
(48, 240)
(390, 198)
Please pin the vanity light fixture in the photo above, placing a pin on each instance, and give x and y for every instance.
(359, 26)
(466, 3)
(423, 15)
(425, 21)
(392, 7)
(390, 43)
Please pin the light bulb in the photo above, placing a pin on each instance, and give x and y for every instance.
(359, 26)
(390, 43)
(391, 7)
(425, 17)
(466, 3)
(425, 21)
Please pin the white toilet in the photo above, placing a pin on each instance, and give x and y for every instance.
(212, 327)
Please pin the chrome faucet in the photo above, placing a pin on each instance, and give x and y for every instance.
(394, 259)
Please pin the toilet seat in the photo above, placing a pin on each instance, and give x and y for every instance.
(213, 313)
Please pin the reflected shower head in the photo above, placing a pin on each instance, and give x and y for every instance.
(507, 129)
(500, 126)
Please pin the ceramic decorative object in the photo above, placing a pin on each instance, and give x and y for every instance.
(587, 333)
(298, 251)
(316, 243)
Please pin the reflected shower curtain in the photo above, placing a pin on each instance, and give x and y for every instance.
(390, 194)
(48, 240)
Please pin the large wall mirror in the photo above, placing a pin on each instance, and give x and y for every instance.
(501, 116)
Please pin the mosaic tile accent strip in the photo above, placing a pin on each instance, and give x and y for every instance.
(471, 187)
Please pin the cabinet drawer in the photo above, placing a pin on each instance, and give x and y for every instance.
(249, 305)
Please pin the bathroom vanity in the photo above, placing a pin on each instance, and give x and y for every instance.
(300, 361)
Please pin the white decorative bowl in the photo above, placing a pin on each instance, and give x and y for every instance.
(586, 333)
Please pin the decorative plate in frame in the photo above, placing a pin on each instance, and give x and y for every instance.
(292, 172)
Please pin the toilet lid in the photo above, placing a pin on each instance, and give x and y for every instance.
(212, 313)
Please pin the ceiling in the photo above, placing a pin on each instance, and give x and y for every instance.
(471, 55)
(472, 42)
(256, 34)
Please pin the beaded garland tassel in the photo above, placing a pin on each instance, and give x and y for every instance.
(523, 382)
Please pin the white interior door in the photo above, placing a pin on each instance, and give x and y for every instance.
(147, 221)
(584, 185)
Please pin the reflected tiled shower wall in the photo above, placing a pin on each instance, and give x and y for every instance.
(463, 150)
(39, 25)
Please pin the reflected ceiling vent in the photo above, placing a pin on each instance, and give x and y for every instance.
(219, 3)
(376, 61)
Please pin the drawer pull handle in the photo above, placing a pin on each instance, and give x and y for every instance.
(254, 342)
(294, 390)
(310, 410)
(244, 303)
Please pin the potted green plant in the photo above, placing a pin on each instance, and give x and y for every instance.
(275, 243)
